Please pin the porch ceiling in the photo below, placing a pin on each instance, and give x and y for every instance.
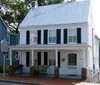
(49, 47)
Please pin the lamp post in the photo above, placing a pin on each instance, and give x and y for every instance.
(4, 49)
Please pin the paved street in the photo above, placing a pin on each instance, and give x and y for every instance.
(6, 83)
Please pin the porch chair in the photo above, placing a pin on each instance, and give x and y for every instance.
(43, 69)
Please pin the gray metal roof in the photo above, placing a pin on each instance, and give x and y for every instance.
(66, 13)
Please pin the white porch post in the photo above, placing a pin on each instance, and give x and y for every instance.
(10, 54)
(84, 58)
(56, 54)
(20, 57)
(32, 57)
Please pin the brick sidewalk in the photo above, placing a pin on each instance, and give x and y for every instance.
(47, 81)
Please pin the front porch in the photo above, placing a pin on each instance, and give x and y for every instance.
(69, 60)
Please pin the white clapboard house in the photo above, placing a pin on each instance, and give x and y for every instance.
(60, 35)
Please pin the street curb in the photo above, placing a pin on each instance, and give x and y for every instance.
(20, 82)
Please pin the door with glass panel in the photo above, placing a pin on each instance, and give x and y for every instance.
(72, 64)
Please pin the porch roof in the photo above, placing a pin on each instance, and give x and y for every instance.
(49, 47)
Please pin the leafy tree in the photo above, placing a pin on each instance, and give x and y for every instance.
(14, 12)
(49, 2)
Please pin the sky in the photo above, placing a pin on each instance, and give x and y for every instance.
(96, 15)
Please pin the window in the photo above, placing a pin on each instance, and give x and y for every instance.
(8, 38)
(52, 36)
(7, 56)
(72, 59)
(33, 37)
(72, 35)
(16, 56)
(52, 60)
(17, 40)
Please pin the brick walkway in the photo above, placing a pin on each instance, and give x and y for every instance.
(47, 81)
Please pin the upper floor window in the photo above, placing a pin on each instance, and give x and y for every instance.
(33, 37)
(52, 36)
(72, 35)
(17, 40)
(8, 38)
(72, 59)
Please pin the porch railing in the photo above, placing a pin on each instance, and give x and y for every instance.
(93, 75)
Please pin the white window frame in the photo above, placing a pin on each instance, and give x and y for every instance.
(16, 56)
(8, 38)
(32, 36)
(17, 40)
(48, 36)
(76, 60)
(69, 34)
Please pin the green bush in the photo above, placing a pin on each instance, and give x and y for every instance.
(6, 69)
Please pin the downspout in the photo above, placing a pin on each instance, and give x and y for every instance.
(93, 48)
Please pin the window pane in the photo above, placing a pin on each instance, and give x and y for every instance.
(72, 35)
(72, 59)
(74, 38)
(33, 37)
(70, 38)
(52, 36)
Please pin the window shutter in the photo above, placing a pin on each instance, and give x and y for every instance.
(39, 37)
(59, 59)
(45, 58)
(39, 58)
(27, 37)
(27, 59)
(78, 35)
(45, 36)
(58, 35)
(65, 36)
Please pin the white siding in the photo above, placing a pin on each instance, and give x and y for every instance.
(22, 36)
(64, 69)
(84, 34)
(96, 53)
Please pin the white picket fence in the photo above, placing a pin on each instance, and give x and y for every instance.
(93, 75)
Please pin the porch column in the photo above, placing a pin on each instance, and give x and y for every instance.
(84, 58)
(20, 59)
(84, 69)
(56, 54)
(32, 57)
(10, 54)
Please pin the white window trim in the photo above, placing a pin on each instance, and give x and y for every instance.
(68, 37)
(16, 58)
(76, 60)
(48, 36)
(31, 35)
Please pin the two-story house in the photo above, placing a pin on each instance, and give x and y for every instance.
(60, 35)
(13, 39)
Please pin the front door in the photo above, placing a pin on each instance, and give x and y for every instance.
(72, 64)
(26, 68)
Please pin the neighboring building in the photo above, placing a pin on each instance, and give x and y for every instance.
(13, 39)
(3, 34)
(60, 35)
